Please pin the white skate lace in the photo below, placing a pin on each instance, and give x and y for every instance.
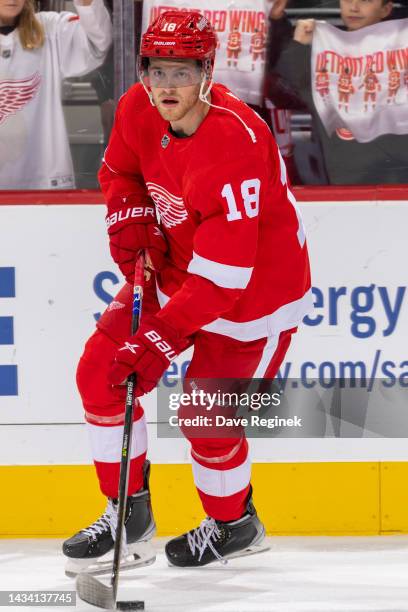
(203, 537)
(108, 520)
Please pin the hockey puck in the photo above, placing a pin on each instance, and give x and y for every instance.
(130, 605)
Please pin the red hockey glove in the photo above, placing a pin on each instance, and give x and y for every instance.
(127, 242)
(148, 353)
(132, 228)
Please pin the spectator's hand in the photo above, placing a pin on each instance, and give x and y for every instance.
(278, 9)
(304, 31)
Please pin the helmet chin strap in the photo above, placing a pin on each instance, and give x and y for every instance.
(149, 93)
(203, 95)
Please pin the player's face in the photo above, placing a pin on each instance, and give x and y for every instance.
(10, 10)
(358, 14)
(175, 86)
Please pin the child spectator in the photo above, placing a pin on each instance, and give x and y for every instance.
(382, 160)
(37, 51)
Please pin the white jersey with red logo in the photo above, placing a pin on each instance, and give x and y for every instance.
(237, 263)
(35, 153)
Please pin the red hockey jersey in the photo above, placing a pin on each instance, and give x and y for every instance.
(237, 262)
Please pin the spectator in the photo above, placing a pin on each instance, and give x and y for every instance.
(382, 160)
(279, 97)
(102, 81)
(280, 32)
(37, 51)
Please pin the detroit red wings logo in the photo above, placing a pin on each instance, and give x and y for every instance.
(16, 93)
(170, 207)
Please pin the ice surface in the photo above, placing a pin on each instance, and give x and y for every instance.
(298, 574)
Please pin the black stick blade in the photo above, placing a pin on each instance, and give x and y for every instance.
(94, 592)
(130, 605)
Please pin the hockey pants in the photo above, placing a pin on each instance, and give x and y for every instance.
(221, 466)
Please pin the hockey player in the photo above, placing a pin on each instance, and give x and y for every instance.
(394, 83)
(322, 83)
(257, 47)
(37, 51)
(232, 278)
(234, 47)
(372, 86)
(345, 88)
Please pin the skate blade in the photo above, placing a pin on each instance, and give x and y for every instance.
(140, 554)
(258, 546)
(251, 550)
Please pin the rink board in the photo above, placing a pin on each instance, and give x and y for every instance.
(56, 277)
(306, 498)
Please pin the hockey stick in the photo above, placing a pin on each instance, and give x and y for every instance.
(88, 587)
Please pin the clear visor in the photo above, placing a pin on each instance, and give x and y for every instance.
(172, 76)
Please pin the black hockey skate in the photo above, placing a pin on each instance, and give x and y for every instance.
(91, 549)
(216, 540)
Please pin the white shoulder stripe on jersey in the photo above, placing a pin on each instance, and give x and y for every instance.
(287, 316)
(223, 275)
